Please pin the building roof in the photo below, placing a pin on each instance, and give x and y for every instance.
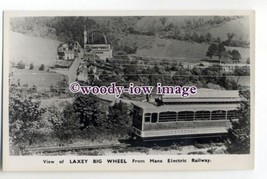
(69, 52)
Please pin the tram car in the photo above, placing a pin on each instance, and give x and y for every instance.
(205, 114)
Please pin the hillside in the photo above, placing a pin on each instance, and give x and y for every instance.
(189, 51)
(170, 48)
(58, 27)
(240, 27)
(31, 49)
(147, 33)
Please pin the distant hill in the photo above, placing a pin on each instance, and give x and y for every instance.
(239, 26)
(72, 27)
(146, 33)
(218, 27)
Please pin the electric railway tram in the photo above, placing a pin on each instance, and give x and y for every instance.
(205, 114)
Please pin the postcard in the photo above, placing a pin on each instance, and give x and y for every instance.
(128, 90)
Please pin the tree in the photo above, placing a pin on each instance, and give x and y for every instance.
(182, 76)
(218, 40)
(31, 66)
(163, 20)
(131, 70)
(248, 61)
(62, 86)
(229, 40)
(169, 27)
(25, 123)
(242, 71)
(64, 124)
(239, 134)
(89, 110)
(201, 38)
(226, 55)
(118, 117)
(21, 65)
(208, 37)
(221, 49)
(41, 68)
(53, 89)
(236, 56)
(195, 37)
(230, 36)
(212, 50)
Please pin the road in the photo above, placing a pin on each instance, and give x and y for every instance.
(112, 99)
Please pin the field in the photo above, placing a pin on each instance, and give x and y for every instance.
(168, 48)
(180, 50)
(34, 50)
(30, 49)
(238, 26)
(42, 79)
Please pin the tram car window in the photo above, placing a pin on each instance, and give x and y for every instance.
(167, 116)
(154, 118)
(202, 115)
(185, 116)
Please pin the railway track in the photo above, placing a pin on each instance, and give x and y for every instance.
(128, 143)
(75, 148)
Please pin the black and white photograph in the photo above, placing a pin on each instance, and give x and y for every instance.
(129, 85)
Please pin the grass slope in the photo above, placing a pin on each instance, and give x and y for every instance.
(240, 27)
(30, 49)
(182, 50)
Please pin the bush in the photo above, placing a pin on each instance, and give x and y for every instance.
(118, 118)
(65, 124)
(239, 134)
(21, 65)
(41, 68)
(31, 66)
(25, 123)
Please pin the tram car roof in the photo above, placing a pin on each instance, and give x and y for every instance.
(205, 99)
(203, 95)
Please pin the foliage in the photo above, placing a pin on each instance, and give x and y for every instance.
(239, 138)
(221, 49)
(131, 71)
(225, 55)
(21, 65)
(41, 68)
(62, 85)
(118, 117)
(182, 76)
(26, 124)
(31, 66)
(89, 110)
(212, 50)
(64, 124)
(130, 49)
(116, 28)
(242, 71)
(236, 56)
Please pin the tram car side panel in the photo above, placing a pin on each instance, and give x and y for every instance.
(178, 121)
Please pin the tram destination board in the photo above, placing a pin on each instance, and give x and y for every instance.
(128, 90)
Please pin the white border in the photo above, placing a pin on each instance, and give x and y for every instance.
(258, 5)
